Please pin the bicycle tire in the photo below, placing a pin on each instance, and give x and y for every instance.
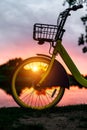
(24, 91)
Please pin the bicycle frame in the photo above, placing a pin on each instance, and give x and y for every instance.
(46, 84)
(69, 63)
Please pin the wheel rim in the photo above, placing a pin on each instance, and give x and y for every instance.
(25, 90)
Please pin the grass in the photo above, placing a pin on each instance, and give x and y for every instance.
(11, 115)
(30, 127)
(16, 112)
(69, 108)
(23, 127)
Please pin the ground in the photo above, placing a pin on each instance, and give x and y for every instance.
(58, 118)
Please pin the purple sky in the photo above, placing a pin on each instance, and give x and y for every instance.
(16, 27)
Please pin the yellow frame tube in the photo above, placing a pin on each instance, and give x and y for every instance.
(70, 64)
(48, 70)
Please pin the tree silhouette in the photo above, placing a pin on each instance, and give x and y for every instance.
(7, 68)
(82, 40)
(70, 2)
(6, 72)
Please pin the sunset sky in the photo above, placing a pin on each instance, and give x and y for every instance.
(16, 28)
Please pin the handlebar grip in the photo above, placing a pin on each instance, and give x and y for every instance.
(75, 7)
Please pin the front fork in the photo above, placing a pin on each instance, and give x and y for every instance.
(48, 70)
(55, 51)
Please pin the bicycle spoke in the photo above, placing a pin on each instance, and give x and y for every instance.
(27, 96)
(40, 101)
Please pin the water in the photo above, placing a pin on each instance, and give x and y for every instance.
(74, 96)
(71, 97)
(6, 100)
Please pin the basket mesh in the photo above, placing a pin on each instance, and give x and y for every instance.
(44, 32)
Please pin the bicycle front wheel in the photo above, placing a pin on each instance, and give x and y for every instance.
(24, 89)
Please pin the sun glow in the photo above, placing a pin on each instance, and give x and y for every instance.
(36, 66)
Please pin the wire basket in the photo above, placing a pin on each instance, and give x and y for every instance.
(44, 32)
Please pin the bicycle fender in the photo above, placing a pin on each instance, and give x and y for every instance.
(57, 76)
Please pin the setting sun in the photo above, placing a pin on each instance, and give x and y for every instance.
(36, 66)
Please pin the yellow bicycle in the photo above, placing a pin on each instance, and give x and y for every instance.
(40, 81)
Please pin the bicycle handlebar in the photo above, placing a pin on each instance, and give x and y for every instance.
(51, 33)
(62, 19)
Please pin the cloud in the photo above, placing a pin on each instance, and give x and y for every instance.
(14, 21)
(16, 25)
(18, 16)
